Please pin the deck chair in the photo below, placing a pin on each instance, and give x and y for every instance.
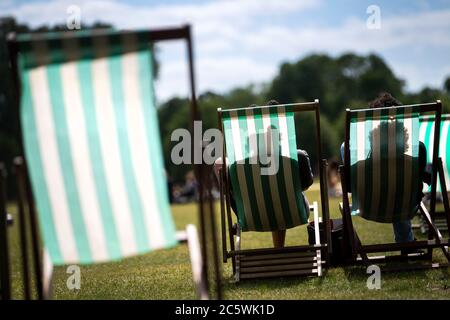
(381, 172)
(426, 135)
(267, 199)
(92, 148)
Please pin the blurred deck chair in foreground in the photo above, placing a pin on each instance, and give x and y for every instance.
(427, 136)
(92, 148)
(5, 220)
(268, 192)
(381, 170)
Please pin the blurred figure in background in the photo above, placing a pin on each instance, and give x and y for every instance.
(189, 192)
(334, 180)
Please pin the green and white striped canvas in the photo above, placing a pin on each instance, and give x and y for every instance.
(91, 139)
(263, 167)
(427, 137)
(384, 163)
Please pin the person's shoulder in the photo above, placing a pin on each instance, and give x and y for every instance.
(302, 152)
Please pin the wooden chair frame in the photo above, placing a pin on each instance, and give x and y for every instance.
(435, 239)
(236, 254)
(26, 202)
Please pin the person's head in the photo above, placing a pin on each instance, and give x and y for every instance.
(401, 135)
(272, 102)
(384, 100)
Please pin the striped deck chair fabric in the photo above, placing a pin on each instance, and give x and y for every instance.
(91, 141)
(384, 156)
(263, 167)
(427, 137)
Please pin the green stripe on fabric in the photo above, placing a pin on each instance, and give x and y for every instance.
(303, 212)
(400, 164)
(155, 147)
(65, 158)
(415, 163)
(248, 170)
(280, 174)
(136, 207)
(368, 172)
(259, 127)
(36, 170)
(84, 69)
(384, 171)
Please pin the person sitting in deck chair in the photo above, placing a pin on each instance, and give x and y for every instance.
(306, 179)
(403, 229)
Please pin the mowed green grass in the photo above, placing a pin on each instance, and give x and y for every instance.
(166, 274)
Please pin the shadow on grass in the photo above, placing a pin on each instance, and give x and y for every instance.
(355, 273)
(272, 283)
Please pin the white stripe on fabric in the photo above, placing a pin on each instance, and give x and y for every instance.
(422, 130)
(139, 150)
(376, 164)
(430, 143)
(273, 177)
(82, 165)
(237, 143)
(251, 128)
(285, 152)
(361, 156)
(392, 165)
(48, 147)
(407, 176)
(111, 155)
(238, 151)
(252, 137)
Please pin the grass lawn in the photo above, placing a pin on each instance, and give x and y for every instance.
(167, 275)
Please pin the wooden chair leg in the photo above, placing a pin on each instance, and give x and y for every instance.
(22, 227)
(360, 250)
(317, 238)
(5, 281)
(229, 221)
(222, 218)
(237, 260)
(435, 232)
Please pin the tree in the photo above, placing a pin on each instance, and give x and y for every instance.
(447, 85)
(335, 81)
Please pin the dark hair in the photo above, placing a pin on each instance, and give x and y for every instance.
(383, 100)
